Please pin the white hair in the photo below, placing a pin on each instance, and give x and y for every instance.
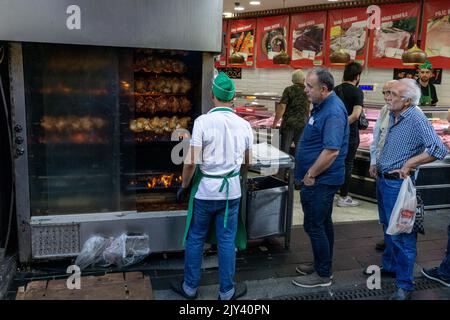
(298, 76)
(412, 90)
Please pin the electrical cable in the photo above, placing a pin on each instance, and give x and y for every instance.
(5, 108)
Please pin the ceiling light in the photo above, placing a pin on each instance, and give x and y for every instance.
(333, 0)
(255, 3)
(238, 7)
(227, 14)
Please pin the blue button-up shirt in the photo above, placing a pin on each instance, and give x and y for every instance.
(327, 128)
(409, 137)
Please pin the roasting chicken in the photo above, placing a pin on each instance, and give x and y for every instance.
(159, 125)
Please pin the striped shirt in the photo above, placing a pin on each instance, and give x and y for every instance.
(410, 136)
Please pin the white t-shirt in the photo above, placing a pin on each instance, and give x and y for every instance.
(223, 137)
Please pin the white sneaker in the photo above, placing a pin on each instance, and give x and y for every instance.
(347, 202)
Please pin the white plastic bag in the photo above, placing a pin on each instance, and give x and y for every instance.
(127, 249)
(92, 251)
(404, 212)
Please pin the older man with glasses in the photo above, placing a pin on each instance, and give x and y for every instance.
(410, 142)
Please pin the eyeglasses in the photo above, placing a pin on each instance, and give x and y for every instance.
(391, 93)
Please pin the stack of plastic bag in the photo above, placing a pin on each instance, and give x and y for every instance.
(123, 251)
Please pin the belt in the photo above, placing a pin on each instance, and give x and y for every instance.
(390, 176)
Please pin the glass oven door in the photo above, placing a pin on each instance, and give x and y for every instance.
(73, 97)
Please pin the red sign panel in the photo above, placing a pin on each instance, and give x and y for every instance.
(347, 29)
(221, 60)
(272, 38)
(397, 33)
(241, 42)
(436, 33)
(308, 38)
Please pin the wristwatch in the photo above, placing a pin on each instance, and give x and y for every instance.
(309, 175)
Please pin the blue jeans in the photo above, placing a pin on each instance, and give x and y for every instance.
(204, 211)
(444, 268)
(317, 205)
(400, 252)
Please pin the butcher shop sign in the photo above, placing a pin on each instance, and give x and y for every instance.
(436, 33)
(397, 33)
(308, 37)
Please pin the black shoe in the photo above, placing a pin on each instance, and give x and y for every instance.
(177, 286)
(380, 245)
(401, 294)
(240, 289)
(383, 272)
(433, 274)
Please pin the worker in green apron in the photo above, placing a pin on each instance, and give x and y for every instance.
(219, 150)
(429, 97)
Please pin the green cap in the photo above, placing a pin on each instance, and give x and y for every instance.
(223, 87)
(426, 65)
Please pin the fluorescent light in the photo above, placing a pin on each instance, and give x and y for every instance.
(333, 0)
(255, 3)
(227, 14)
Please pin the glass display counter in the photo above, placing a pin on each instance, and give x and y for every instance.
(434, 178)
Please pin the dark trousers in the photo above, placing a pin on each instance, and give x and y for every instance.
(317, 205)
(353, 145)
(288, 136)
(444, 268)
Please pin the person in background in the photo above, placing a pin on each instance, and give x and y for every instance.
(221, 144)
(379, 136)
(429, 96)
(441, 273)
(293, 109)
(410, 142)
(353, 99)
(320, 168)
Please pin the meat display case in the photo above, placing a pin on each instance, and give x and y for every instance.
(433, 179)
(100, 117)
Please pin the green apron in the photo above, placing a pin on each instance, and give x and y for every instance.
(241, 234)
(426, 100)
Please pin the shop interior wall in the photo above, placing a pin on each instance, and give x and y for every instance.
(274, 81)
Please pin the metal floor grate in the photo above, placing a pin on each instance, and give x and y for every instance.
(359, 294)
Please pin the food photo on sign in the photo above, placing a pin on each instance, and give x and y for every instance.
(308, 41)
(272, 35)
(347, 30)
(398, 33)
(438, 37)
(242, 38)
(308, 36)
(349, 37)
(436, 32)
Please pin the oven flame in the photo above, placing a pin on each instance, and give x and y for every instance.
(164, 181)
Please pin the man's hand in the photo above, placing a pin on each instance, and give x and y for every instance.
(404, 172)
(308, 180)
(183, 194)
(373, 171)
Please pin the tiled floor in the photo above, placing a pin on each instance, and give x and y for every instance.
(366, 211)
(267, 268)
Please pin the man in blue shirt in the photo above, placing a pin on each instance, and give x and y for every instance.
(410, 142)
(320, 168)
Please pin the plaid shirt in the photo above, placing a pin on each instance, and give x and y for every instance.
(410, 136)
